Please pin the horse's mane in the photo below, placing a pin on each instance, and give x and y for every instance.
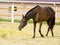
(32, 9)
(29, 16)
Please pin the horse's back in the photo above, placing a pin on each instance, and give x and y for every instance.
(44, 14)
(50, 11)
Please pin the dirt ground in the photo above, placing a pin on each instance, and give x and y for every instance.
(10, 35)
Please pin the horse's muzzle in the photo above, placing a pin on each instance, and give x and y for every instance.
(19, 29)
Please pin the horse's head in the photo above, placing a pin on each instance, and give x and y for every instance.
(22, 23)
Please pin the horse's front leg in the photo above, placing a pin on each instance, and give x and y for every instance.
(34, 29)
(40, 29)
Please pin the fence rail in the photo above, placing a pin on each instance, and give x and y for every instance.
(9, 15)
(18, 14)
(23, 9)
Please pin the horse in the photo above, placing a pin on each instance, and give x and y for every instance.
(39, 14)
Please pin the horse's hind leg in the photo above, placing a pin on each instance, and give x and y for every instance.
(40, 29)
(50, 28)
(52, 25)
(48, 31)
(48, 22)
(52, 31)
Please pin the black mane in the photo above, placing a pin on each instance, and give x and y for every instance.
(29, 16)
(32, 9)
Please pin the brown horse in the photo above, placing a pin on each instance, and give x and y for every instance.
(39, 14)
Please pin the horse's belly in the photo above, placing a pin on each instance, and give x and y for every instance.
(41, 19)
(44, 18)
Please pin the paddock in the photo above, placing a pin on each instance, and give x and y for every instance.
(10, 35)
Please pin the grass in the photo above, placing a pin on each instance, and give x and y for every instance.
(8, 20)
(5, 20)
(57, 23)
(17, 21)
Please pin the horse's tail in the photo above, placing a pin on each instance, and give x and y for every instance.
(53, 22)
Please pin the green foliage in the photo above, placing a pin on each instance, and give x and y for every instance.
(17, 21)
(57, 23)
(5, 20)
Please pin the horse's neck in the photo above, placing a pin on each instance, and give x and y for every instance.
(32, 14)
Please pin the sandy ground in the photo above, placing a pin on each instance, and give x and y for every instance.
(10, 35)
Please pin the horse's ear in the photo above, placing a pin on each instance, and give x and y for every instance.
(22, 16)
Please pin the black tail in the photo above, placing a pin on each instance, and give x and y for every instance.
(53, 22)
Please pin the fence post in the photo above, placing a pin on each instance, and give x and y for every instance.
(12, 16)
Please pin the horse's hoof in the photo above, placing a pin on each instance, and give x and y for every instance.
(42, 35)
(46, 35)
(52, 35)
(33, 36)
